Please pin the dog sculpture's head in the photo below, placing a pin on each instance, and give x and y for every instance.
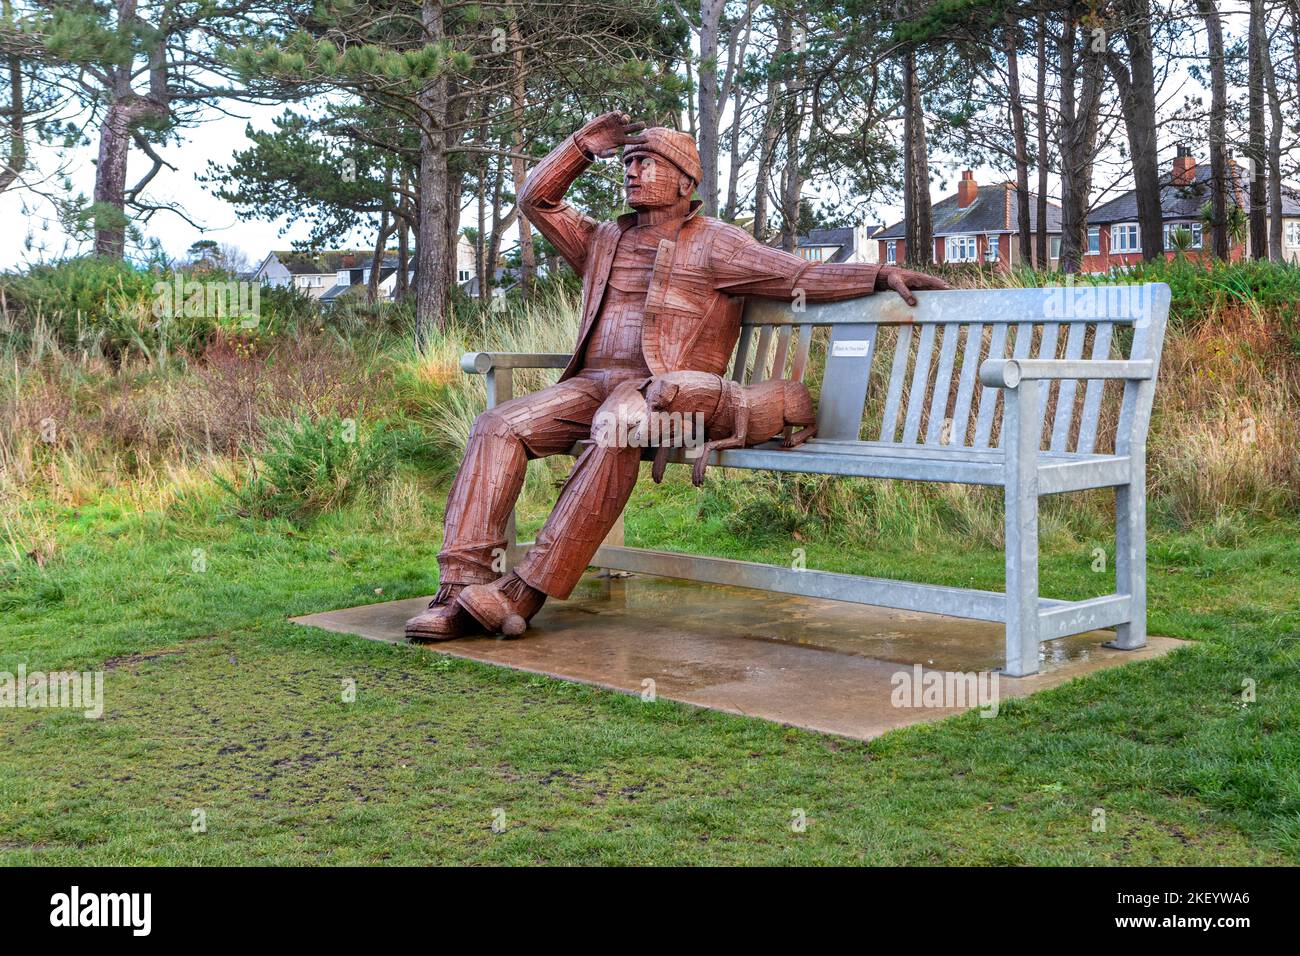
(662, 394)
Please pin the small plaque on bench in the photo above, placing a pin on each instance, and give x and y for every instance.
(851, 348)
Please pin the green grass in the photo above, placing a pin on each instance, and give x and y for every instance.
(216, 702)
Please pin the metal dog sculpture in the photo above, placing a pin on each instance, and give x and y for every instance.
(735, 415)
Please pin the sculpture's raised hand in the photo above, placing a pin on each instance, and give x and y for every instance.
(605, 134)
(903, 281)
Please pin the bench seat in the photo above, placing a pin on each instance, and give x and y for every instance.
(1057, 471)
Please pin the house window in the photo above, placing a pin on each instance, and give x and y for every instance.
(991, 249)
(1094, 240)
(464, 275)
(1293, 232)
(891, 251)
(1054, 247)
(1124, 237)
(960, 249)
(1194, 228)
(813, 253)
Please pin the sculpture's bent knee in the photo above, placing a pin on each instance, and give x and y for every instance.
(491, 424)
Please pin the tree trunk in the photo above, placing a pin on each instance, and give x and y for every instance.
(709, 105)
(1137, 88)
(1041, 260)
(16, 159)
(480, 239)
(690, 100)
(109, 210)
(792, 177)
(1011, 31)
(1209, 12)
(499, 225)
(432, 251)
(451, 224)
(919, 236)
(1256, 51)
(737, 105)
(403, 240)
(1274, 161)
(381, 247)
(771, 131)
(1077, 142)
(518, 168)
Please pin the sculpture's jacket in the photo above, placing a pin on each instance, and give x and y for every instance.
(697, 289)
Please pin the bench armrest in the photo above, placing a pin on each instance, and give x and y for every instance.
(1008, 373)
(480, 363)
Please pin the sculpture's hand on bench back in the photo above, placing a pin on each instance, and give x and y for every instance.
(904, 281)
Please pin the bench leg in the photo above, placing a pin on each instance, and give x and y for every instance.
(1131, 556)
(1021, 440)
(1022, 584)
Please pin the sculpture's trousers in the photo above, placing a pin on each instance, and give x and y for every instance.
(491, 476)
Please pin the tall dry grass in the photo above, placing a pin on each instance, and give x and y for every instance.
(1225, 439)
(1225, 435)
(73, 424)
(432, 389)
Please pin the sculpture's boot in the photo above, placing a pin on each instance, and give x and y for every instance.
(444, 619)
(504, 606)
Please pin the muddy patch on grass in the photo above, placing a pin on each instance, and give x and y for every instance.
(131, 661)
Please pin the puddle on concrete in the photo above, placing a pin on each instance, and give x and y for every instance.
(905, 637)
(822, 665)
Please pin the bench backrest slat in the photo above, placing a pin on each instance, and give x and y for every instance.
(1046, 350)
(924, 383)
(1135, 407)
(844, 386)
(760, 354)
(741, 360)
(889, 421)
(989, 396)
(970, 361)
(920, 378)
(936, 422)
(1065, 394)
(782, 353)
(1021, 350)
(799, 365)
(1094, 392)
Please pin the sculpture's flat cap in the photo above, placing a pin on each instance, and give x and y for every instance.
(670, 144)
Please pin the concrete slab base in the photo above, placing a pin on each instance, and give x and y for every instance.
(829, 666)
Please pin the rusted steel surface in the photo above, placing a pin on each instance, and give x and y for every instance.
(663, 292)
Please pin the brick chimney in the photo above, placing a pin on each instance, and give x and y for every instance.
(1184, 172)
(349, 260)
(967, 189)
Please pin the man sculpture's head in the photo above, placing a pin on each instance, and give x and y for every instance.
(661, 171)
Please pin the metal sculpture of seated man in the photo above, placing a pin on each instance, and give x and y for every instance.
(663, 291)
(733, 415)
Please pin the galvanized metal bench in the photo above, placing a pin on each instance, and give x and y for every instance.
(908, 379)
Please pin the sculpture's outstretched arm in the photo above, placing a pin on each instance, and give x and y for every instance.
(745, 266)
